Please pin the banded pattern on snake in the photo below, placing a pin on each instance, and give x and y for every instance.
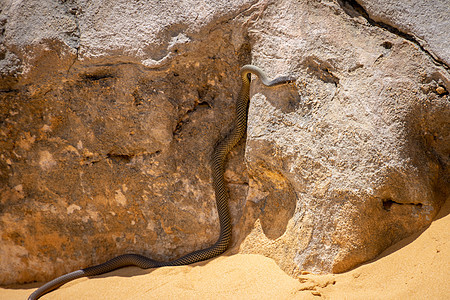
(218, 168)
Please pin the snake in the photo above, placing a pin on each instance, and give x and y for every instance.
(221, 150)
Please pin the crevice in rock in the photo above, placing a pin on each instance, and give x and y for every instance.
(203, 104)
(75, 59)
(179, 126)
(352, 8)
(117, 158)
(388, 203)
(76, 33)
(9, 90)
(237, 183)
(95, 76)
(126, 158)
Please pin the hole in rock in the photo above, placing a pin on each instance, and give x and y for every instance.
(387, 45)
(387, 204)
(96, 76)
(203, 104)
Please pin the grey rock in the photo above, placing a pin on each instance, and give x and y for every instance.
(427, 21)
(355, 157)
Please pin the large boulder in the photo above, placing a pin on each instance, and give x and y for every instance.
(355, 158)
(110, 111)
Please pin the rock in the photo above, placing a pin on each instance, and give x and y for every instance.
(108, 128)
(355, 157)
(424, 21)
(110, 112)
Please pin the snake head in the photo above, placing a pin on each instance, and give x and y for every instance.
(282, 80)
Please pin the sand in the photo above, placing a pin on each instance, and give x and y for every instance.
(415, 268)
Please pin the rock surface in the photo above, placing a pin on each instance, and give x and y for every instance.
(110, 111)
(358, 158)
(107, 134)
(426, 21)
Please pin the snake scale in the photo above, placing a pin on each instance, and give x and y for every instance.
(218, 168)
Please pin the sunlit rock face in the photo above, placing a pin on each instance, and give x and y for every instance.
(110, 110)
(355, 156)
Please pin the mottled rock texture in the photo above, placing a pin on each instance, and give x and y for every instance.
(110, 111)
(356, 157)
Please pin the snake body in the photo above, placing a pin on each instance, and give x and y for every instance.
(221, 193)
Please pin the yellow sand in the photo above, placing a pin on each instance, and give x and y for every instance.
(416, 268)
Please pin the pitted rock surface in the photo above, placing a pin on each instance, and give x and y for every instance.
(110, 111)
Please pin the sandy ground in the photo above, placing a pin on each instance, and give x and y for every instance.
(415, 268)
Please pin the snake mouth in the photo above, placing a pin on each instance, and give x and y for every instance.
(388, 203)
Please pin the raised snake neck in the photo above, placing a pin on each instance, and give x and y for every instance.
(218, 168)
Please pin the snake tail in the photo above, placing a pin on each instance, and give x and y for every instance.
(222, 198)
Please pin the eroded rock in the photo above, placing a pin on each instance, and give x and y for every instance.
(110, 112)
(356, 149)
(103, 152)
